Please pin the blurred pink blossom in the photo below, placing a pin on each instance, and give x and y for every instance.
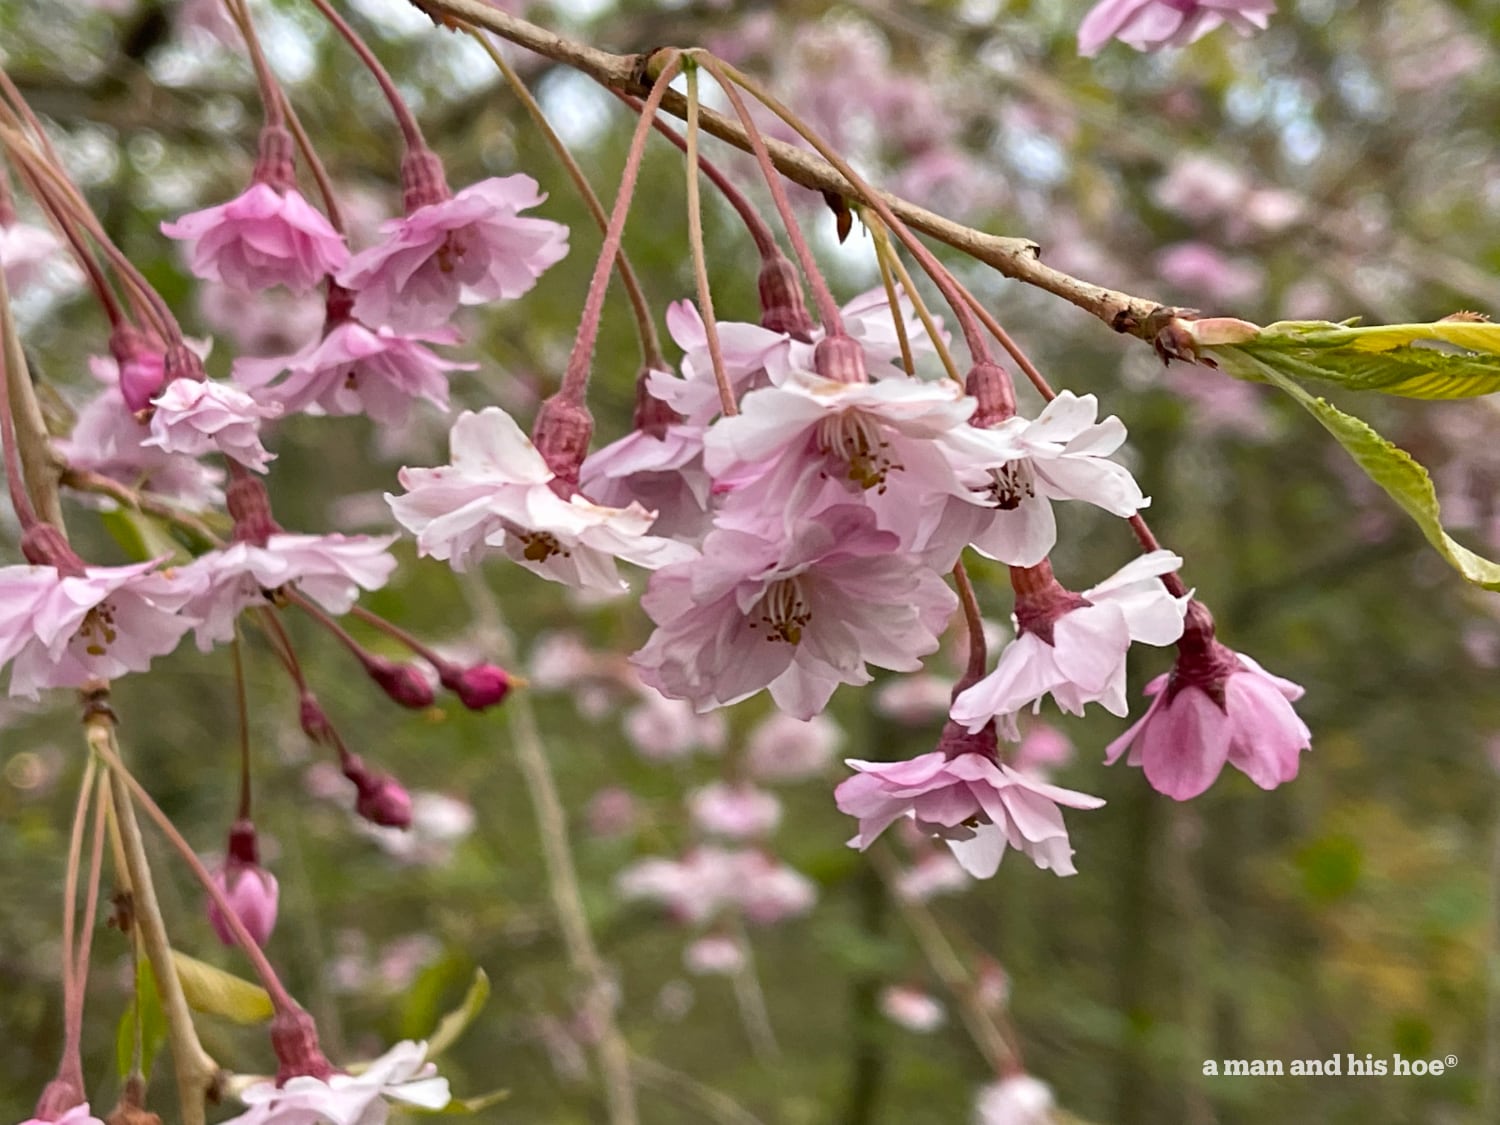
(912, 1008)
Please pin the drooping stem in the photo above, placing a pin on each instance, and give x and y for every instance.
(270, 89)
(410, 131)
(30, 464)
(197, 1073)
(700, 260)
(85, 480)
(893, 301)
(314, 163)
(645, 327)
(576, 375)
(891, 260)
(395, 632)
(74, 1014)
(243, 702)
(973, 622)
(828, 308)
(72, 986)
(751, 1000)
(1147, 539)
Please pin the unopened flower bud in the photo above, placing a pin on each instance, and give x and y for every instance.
(840, 358)
(423, 181)
(312, 718)
(142, 368)
(990, 386)
(250, 506)
(249, 889)
(561, 435)
(404, 683)
(782, 306)
(383, 800)
(481, 686)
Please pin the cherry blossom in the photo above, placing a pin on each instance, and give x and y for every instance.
(198, 416)
(354, 370)
(977, 804)
(78, 1115)
(63, 630)
(714, 955)
(1018, 1099)
(783, 747)
(736, 812)
(912, 1009)
(25, 250)
(261, 238)
(1074, 647)
(1215, 706)
(662, 472)
(663, 729)
(1149, 25)
(471, 248)
(401, 1075)
(329, 569)
(798, 616)
(497, 492)
(710, 880)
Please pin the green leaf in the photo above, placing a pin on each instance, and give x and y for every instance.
(1393, 469)
(456, 1022)
(218, 993)
(153, 1024)
(141, 536)
(1442, 360)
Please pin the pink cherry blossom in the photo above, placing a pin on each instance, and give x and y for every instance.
(1149, 25)
(261, 238)
(497, 492)
(1043, 748)
(710, 880)
(912, 1009)
(329, 569)
(611, 813)
(662, 472)
(354, 370)
(798, 616)
(401, 1075)
(78, 1115)
(108, 439)
(1018, 1099)
(252, 894)
(783, 747)
(936, 872)
(1077, 653)
(735, 812)
(60, 630)
(197, 416)
(1016, 469)
(472, 248)
(1214, 707)
(714, 955)
(663, 729)
(915, 701)
(977, 804)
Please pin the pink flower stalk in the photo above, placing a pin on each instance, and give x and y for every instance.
(1018, 1099)
(1150, 25)
(1216, 706)
(782, 747)
(249, 888)
(197, 417)
(912, 1009)
(401, 1076)
(1073, 646)
(976, 803)
(1014, 470)
(798, 616)
(497, 492)
(262, 238)
(472, 248)
(329, 569)
(735, 812)
(354, 370)
(107, 439)
(63, 630)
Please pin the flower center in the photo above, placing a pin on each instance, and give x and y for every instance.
(854, 438)
(784, 612)
(1012, 484)
(98, 630)
(451, 253)
(539, 546)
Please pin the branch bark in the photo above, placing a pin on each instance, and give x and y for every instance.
(1015, 258)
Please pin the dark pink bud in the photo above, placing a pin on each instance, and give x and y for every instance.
(314, 721)
(1041, 599)
(840, 358)
(249, 888)
(561, 435)
(142, 367)
(404, 683)
(294, 1038)
(782, 306)
(383, 800)
(991, 387)
(481, 686)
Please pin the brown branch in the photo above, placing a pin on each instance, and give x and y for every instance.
(1016, 258)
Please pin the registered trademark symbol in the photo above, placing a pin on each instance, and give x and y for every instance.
(1451, 1060)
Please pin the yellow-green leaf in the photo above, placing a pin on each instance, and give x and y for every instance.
(456, 1022)
(153, 1024)
(1394, 470)
(215, 992)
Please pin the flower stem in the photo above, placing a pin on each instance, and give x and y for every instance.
(28, 446)
(408, 123)
(270, 90)
(576, 375)
(700, 263)
(891, 260)
(244, 709)
(974, 622)
(645, 327)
